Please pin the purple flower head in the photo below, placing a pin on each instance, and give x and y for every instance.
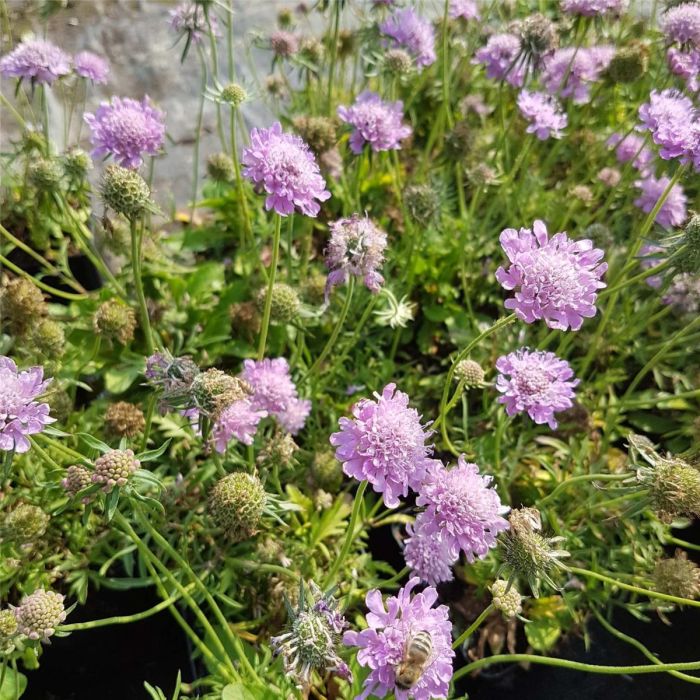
(631, 148)
(650, 256)
(356, 247)
(461, 509)
(126, 129)
(558, 278)
(428, 556)
(673, 211)
(376, 122)
(568, 72)
(537, 382)
(544, 114)
(20, 414)
(382, 646)
(238, 420)
(293, 418)
(384, 443)
(681, 24)
(90, 66)
(674, 125)
(284, 166)
(37, 60)
(413, 33)
(284, 43)
(685, 64)
(466, 9)
(591, 8)
(502, 58)
(191, 18)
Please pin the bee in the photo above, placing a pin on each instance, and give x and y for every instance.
(416, 656)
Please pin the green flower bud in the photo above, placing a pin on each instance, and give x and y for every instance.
(278, 452)
(116, 321)
(469, 372)
(675, 489)
(629, 64)
(48, 339)
(318, 132)
(234, 94)
(21, 303)
(236, 503)
(76, 164)
(114, 469)
(214, 390)
(285, 302)
(25, 523)
(314, 288)
(125, 191)
(220, 168)
(45, 174)
(8, 623)
(327, 471)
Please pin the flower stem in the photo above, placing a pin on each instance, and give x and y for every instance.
(577, 479)
(334, 55)
(247, 229)
(473, 627)
(271, 283)
(135, 231)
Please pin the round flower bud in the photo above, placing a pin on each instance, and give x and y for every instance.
(125, 191)
(245, 316)
(76, 164)
(600, 234)
(26, 523)
(675, 489)
(482, 175)
(76, 479)
(220, 168)
(678, 576)
(8, 623)
(469, 372)
(39, 614)
(60, 402)
(422, 202)
(276, 86)
(236, 504)
(398, 61)
(21, 303)
(459, 142)
(507, 600)
(114, 469)
(629, 64)
(318, 132)
(234, 94)
(285, 302)
(47, 338)
(314, 288)
(115, 320)
(326, 471)
(346, 43)
(689, 258)
(284, 17)
(278, 452)
(124, 419)
(45, 174)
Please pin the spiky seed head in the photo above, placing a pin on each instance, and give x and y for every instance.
(236, 503)
(422, 202)
(213, 390)
(39, 614)
(124, 419)
(76, 479)
(398, 61)
(25, 523)
(460, 141)
(506, 599)
(220, 168)
(678, 576)
(326, 471)
(76, 164)
(320, 133)
(675, 489)
(125, 191)
(115, 320)
(48, 339)
(234, 94)
(285, 302)
(21, 303)
(114, 469)
(689, 257)
(470, 372)
(600, 234)
(538, 35)
(245, 316)
(481, 175)
(277, 452)
(314, 288)
(45, 174)
(629, 64)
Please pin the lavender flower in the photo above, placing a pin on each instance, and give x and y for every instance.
(501, 56)
(293, 418)
(284, 43)
(126, 129)
(91, 66)
(382, 645)
(568, 72)
(356, 247)
(649, 257)
(413, 33)
(544, 114)
(558, 277)
(631, 148)
(537, 382)
(428, 556)
(591, 8)
(37, 60)
(376, 122)
(673, 211)
(20, 414)
(685, 64)
(681, 24)
(190, 18)
(284, 166)
(239, 420)
(465, 9)
(384, 443)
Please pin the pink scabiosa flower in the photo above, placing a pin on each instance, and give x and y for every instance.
(631, 148)
(239, 420)
(673, 211)
(293, 418)
(284, 166)
(461, 508)
(681, 24)
(356, 247)
(544, 114)
(37, 60)
(556, 279)
(464, 9)
(384, 443)
(20, 414)
(569, 72)
(126, 129)
(413, 33)
(284, 43)
(382, 646)
(90, 66)
(191, 18)
(502, 58)
(592, 8)
(428, 556)
(685, 64)
(536, 382)
(376, 122)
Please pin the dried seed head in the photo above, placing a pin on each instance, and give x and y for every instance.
(124, 419)
(25, 523)
(116, 321)
(460, 141)
(629, 64)
(236, 503)
(125, 191)
(277, 452)
(214, 390)
(285, 302)
(675, 489)
(678, 576)
(422, 202)
(76, 164)
(320, 133)
(689, 256)
(48, 339)
(326, 471)
(398, 62)
(538, 36)
(45, 174)
(22, 304)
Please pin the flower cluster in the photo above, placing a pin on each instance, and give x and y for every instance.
(91, 66)
(464, 9)
(544, 114)
(592, 8)
(681, 24)
(37, 60)
(557, 279)
(190, 18)
(632, 147)
(502, 59)
(673, 211)
(413, 33)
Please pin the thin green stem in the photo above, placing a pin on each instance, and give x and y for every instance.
(247, 228)
(265, 326)
(198, 134)
(578, 479)
(334, 56)
(135, 231)
(473, 627)
(42, 285)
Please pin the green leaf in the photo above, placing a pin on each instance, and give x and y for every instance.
(542, 634)
(111, 502)
(236, 691)
(12, 681)
(94, 443)
(150, 455)
(119, 379)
